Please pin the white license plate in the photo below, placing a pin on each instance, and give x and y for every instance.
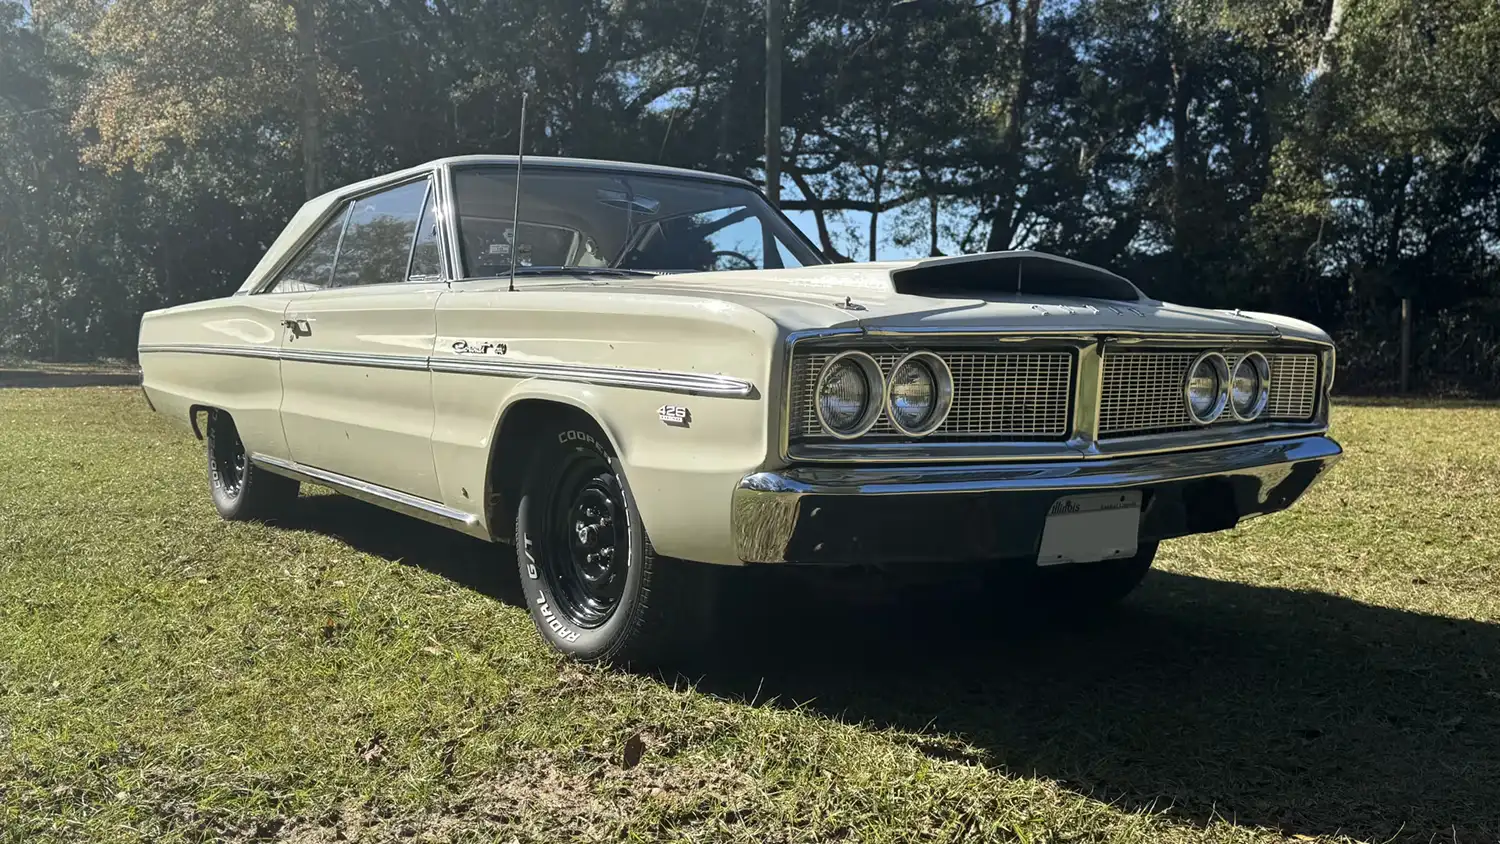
(1090, 528)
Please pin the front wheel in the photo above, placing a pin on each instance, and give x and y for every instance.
(595, 588)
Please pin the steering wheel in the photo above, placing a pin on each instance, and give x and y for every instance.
(735, 256)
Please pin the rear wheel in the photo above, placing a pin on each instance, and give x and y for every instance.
(242, 491)
(595, 588)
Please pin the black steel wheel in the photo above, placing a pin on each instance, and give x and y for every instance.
(588, 557)
(240, 490)
(595, 587)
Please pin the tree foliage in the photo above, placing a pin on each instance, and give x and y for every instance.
(1324, 158)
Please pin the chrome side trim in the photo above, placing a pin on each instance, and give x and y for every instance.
(417, 362)
(690, 383)
(268, 352)
(392, 499)
(768, 508)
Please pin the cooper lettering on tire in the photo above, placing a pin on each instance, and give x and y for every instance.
(241, 490)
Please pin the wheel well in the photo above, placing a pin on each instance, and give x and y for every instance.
(194, 411)
(517, 442)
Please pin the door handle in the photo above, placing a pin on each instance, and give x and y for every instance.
(299, 327)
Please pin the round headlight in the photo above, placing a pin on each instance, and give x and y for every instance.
(1207, 388)
(1250, 387)
(919, 394)
(848, 394)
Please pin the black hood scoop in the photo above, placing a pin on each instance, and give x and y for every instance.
(1009, 273)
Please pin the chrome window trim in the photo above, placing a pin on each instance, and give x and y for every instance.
(342, 206)
(687, 383)
(430, 198)
(447, 168)
(1083, 440)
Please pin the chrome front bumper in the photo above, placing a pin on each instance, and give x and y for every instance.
(838, 515)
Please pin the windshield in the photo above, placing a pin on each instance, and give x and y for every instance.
(621, 220)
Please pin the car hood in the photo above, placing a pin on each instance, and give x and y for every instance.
(865, 296)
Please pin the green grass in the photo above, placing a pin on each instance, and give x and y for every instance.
(351, 675)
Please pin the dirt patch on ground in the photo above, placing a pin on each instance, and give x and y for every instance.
(69, 376)
(545, 798)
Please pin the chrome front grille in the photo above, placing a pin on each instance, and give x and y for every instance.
(1142, 390)
(1013, 396)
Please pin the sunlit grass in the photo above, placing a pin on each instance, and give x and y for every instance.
(165, 676)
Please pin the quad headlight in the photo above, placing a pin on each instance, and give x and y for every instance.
(848, 396)
(1250, 387)
(1206, 390)
(920, 394)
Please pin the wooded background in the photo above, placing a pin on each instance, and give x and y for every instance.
(1331, 159)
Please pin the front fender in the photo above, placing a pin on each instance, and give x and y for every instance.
(682, 476)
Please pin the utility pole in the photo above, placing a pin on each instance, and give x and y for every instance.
(773, 101)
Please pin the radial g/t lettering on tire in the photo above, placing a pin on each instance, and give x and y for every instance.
(592, 583)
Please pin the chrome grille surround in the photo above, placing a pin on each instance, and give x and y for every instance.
(1142, 390)
(1302, 366)
(997, 395)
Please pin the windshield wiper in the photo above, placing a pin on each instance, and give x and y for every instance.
(612, 272)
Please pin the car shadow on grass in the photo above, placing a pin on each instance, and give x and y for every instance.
(472, 563)
(1199, 699)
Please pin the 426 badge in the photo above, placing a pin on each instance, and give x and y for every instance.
(675, 415)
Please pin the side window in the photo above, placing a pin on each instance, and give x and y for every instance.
(314, 267)
(426, 259)
(378, 240)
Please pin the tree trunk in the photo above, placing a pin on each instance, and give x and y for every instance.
(312, 106)
(1405, 345)
(1005, 216)
(1392, 260)
(1328, 58)
(1327, 67)
(1181, 140)
(932, 222)
(875, 212)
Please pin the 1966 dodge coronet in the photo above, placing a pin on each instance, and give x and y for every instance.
(674, 374)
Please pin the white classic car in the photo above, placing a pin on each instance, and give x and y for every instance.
(659, 353)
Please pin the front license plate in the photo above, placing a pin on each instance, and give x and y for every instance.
(1090, 528)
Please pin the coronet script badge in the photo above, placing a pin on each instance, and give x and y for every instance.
(478, 347)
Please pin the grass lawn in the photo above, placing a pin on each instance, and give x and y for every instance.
(1333, 671)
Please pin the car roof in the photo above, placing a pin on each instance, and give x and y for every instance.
(541, 161)
(590, 164)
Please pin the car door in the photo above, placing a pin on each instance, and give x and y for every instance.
(356, 392)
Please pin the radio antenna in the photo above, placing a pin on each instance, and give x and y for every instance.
(515, 216)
